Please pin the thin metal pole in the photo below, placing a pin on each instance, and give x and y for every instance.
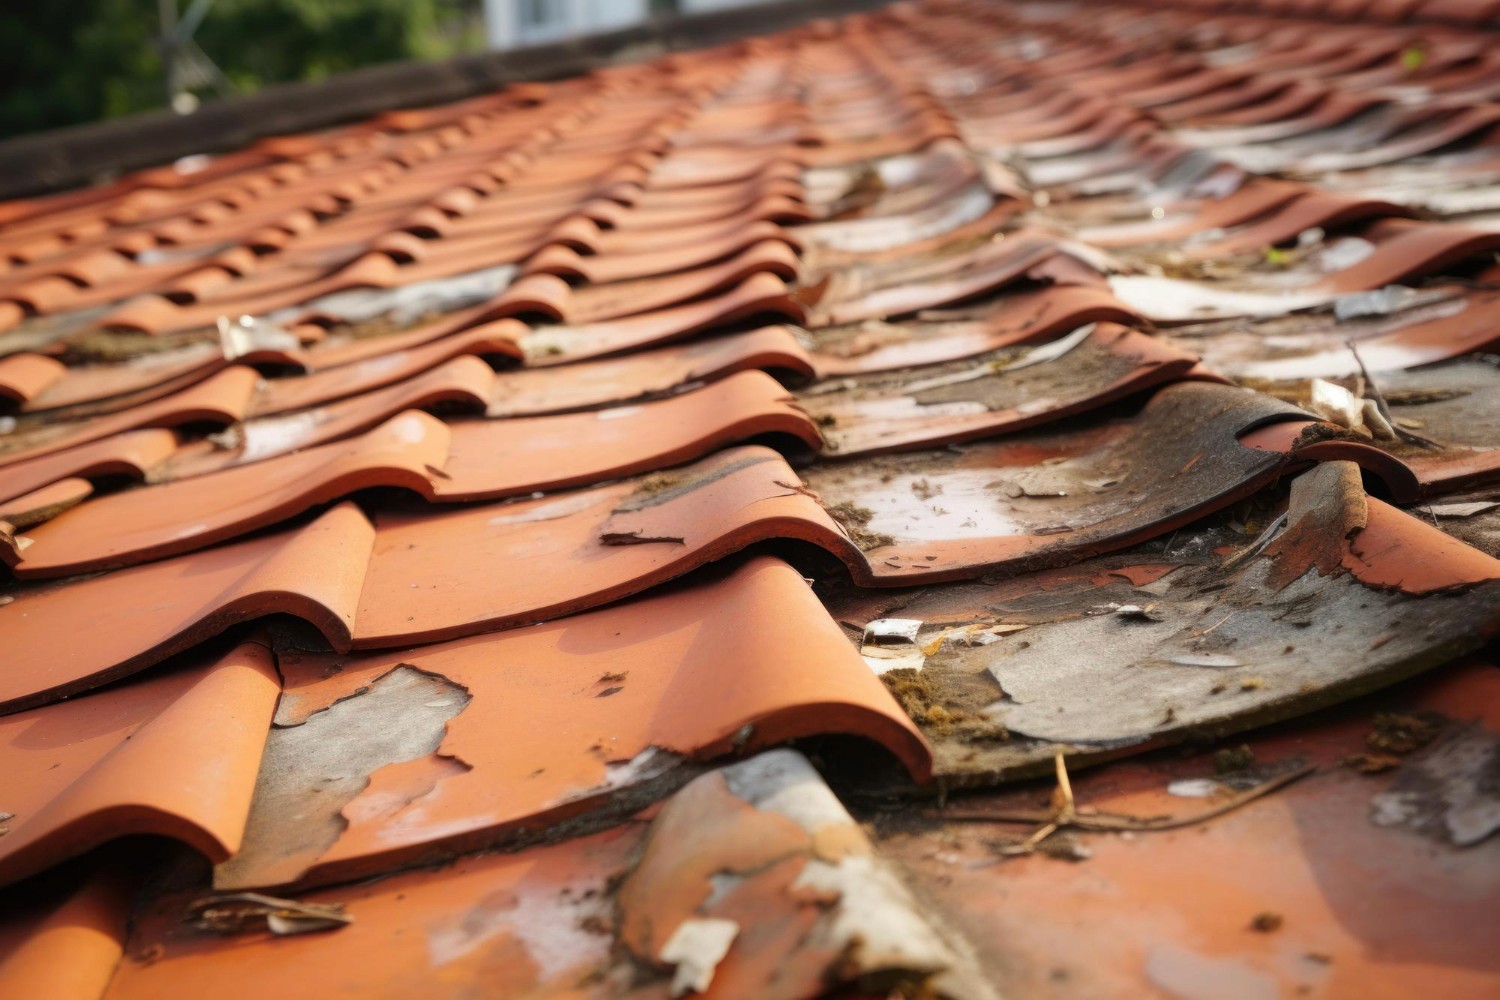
(167, 10)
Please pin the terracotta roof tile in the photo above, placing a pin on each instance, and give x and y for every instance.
(462, 460)
(650, 373)
(65, 937)
(132, 453)
(1198, 626)
(1064, 369)
(139, 759)
(315, 571)
(136, 526)
(549, 924)
(586, 714)
(222, 398)
(989, 395)
(23, 377)
(1159, 909)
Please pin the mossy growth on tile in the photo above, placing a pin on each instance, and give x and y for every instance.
(946, 704)
(855, 519)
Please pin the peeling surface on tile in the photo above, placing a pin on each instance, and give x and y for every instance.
(1042, 497)
(589, 714)
(992, 394)
(1169, 905)
(308, 776)
(1448, 790)
(1013, 317)
(1211, 635)
(539, 919)
(762, 834)
(779, 860)
(1316, 345)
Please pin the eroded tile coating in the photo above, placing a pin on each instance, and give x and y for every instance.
(802, 905)
(1157, 913)
(492, 739)
(1218, 632)
(1042, 498)
(992, 394)
(1021, 316)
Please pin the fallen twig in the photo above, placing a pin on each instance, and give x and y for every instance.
(1256, 547)
(1221, 621)
(1064, 811)
(1116, 822)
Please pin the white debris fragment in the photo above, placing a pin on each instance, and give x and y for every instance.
(1194, 788)
(1052, 350)
(1375, 421)
(891, 644)
(875, 921)
(1462, 509)
(1380, 302)
(248, 334)
(1205, 660)
(696, 948)
(892, 631)
(1333, 402)
(1343, 254)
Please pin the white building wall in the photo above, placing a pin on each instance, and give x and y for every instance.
(700, 5)
(511, 24)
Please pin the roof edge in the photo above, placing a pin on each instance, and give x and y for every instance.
(80, 155)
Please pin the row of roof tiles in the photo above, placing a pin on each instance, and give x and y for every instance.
(956, 306)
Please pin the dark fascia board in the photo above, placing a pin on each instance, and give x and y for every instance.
(89, 154)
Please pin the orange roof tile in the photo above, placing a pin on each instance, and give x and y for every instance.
(1080, 378)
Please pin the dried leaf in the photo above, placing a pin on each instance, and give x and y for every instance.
(247, 912)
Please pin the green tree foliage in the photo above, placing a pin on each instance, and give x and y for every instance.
(62, 63)
(74, 61)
